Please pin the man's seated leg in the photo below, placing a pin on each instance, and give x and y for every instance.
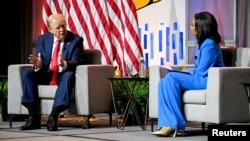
(53, 118)
(33, 122)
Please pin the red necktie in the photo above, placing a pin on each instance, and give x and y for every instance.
(54, 64)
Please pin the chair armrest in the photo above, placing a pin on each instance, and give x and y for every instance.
(156, 72)
(92, 89)
(15, 89)
(225, 95)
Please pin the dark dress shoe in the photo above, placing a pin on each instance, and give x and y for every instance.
(52, 124)
(31, 123)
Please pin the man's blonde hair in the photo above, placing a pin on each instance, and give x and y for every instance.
(55, 17)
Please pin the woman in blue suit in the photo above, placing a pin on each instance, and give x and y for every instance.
(208, 54)
(70, 55)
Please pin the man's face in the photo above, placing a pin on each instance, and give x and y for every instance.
(58, 28)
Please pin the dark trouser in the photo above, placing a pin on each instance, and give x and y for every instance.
(31, 79)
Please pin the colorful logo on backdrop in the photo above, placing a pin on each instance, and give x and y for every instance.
(139, 4)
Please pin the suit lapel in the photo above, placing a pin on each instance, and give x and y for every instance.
(66, 45)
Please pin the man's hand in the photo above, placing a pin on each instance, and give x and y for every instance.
(61, 61)
(35, 61)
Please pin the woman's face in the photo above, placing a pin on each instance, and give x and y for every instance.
(192, 27)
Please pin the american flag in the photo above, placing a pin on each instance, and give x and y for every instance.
(108, 25)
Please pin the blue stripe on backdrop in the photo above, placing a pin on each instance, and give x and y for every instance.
(160, 40)
(175, 26)
(145, 41)
(167, 44)
(146, 27)
(145, 35)
(173, 41)
(162, 61)
(139, 33)
(151, 46)
(181, 46)
(146, 60)
(175, 59)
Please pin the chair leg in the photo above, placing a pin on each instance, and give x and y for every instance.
(152, 124)
(11, 120)
(16, 117)
(110, 118)
(203, 124)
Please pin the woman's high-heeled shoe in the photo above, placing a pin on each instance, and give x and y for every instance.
(165, 131)
(173, 134)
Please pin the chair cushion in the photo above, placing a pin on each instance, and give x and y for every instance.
(194, 97)
(48, 92)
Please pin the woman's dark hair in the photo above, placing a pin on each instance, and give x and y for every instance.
(206, 27)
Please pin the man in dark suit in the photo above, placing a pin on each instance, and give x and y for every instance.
(70, 55)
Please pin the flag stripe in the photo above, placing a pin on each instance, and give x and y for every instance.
(76, 12)
(117, 29)
(71, 24)
(99, 38)
(57, 6)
